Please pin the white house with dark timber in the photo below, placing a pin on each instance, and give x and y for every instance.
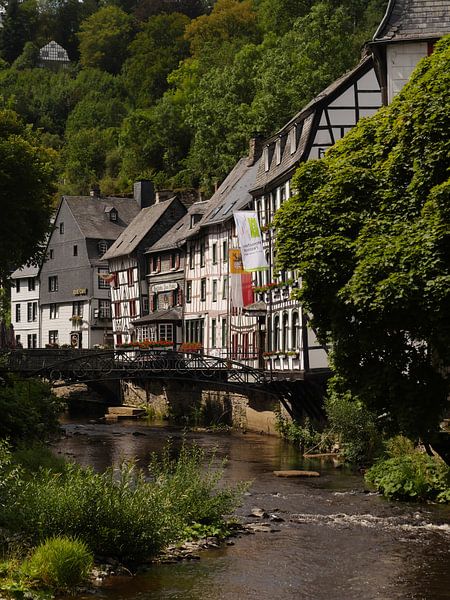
(75, 303)
(291, 343)
(127, 260)
(407, 33)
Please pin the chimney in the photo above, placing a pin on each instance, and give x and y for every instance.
(94, 192)
(255, 150)
(144, 193)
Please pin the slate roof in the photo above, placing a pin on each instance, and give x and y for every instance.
(233, 193)
(25, 271)
(414, 20)
(139, 227)
(177, 235)
(94, 222)
(304, 123)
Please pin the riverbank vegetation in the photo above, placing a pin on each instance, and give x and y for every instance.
(123, 513)
(409, 473)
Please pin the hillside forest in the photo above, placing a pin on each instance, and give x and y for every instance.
(170, 90)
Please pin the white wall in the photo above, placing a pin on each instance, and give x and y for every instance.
(401, 60)
(23, 328)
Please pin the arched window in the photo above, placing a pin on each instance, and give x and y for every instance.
(276, 333)
(295, 332)
(285, 345)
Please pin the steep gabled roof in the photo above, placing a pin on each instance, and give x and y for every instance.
(94, 222)
(303, 122)
(177, 235)
(138, 229)
(25, 271)
(233, 193)
(414, 20)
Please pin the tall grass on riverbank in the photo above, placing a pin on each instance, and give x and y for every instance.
(119, 513)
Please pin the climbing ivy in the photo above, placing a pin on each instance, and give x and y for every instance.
(369, 230)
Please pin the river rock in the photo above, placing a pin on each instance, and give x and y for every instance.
(293, 473)
(258, 512)
(276, 518)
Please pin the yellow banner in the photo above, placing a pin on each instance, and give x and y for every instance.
(236, 266)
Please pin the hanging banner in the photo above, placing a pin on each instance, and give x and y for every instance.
(241, 291)
(105, 276)
(250, 240)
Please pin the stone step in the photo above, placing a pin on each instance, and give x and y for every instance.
(125, 412)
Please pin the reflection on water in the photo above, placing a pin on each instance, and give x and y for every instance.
(336, 541)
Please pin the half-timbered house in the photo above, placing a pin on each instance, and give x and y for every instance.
(291, 343)
(128, 266)
(406, 34)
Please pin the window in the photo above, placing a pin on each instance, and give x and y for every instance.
(77, 308)
(174, 260)
(278, 151)
(51, 254)
(276, 333)
(17, 285)
(214, 254)
(188, 292)
(119, 339)
(75, 250)
(285, 343)
(214, 290)
(113, 215)
(31, 284)
(213, 333)
(295, 333)
(61, 228)
(203, 290)
(130, 277)
(53, 283)
(293, 139)
(165, 332)
(225, 251)
(194, 330)
(202, 254)
(224, 333)
(18, 339)
(32, 340)
(145, 305)
(31, 311)
(102, 280)
(53, 336)
(156, 264)
(102, 247)
(104, 309)
(17, 313)
(133, 308)
(191, 256)
(117, 311)
(225, 288)
(54, 311)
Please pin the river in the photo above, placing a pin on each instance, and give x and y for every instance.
(336, 540)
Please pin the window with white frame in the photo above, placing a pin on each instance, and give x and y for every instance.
(53, 283)
(54, 311)
(214, 290)
(17, 313)
(103, 283)
(165, 332)
(53, 336)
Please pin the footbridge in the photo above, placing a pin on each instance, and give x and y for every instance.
(66, 366)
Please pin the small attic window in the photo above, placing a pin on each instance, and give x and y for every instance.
(112, 212)
(195, 218)
(293, 139)
(278, 151)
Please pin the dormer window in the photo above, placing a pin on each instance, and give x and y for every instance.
(293, 139)
(278, 151)
(195, 218)
(112, 213)
(266, 158)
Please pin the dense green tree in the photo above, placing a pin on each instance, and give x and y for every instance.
(29, 58)
(18, 24)
(278, 16)
(369, 231)
(191, 8)
(154, 53)
(104, 39)
(26, 193)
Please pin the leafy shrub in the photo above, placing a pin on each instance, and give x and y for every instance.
(37, 456)
(304, 436)
(410, 474)
(355, 426)
(29, 410)
(61, 563)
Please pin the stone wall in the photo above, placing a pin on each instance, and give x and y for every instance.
(196, 403)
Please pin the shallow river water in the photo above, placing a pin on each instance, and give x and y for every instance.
(336, 542)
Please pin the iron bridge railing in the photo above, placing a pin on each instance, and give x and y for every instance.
(72, 365)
